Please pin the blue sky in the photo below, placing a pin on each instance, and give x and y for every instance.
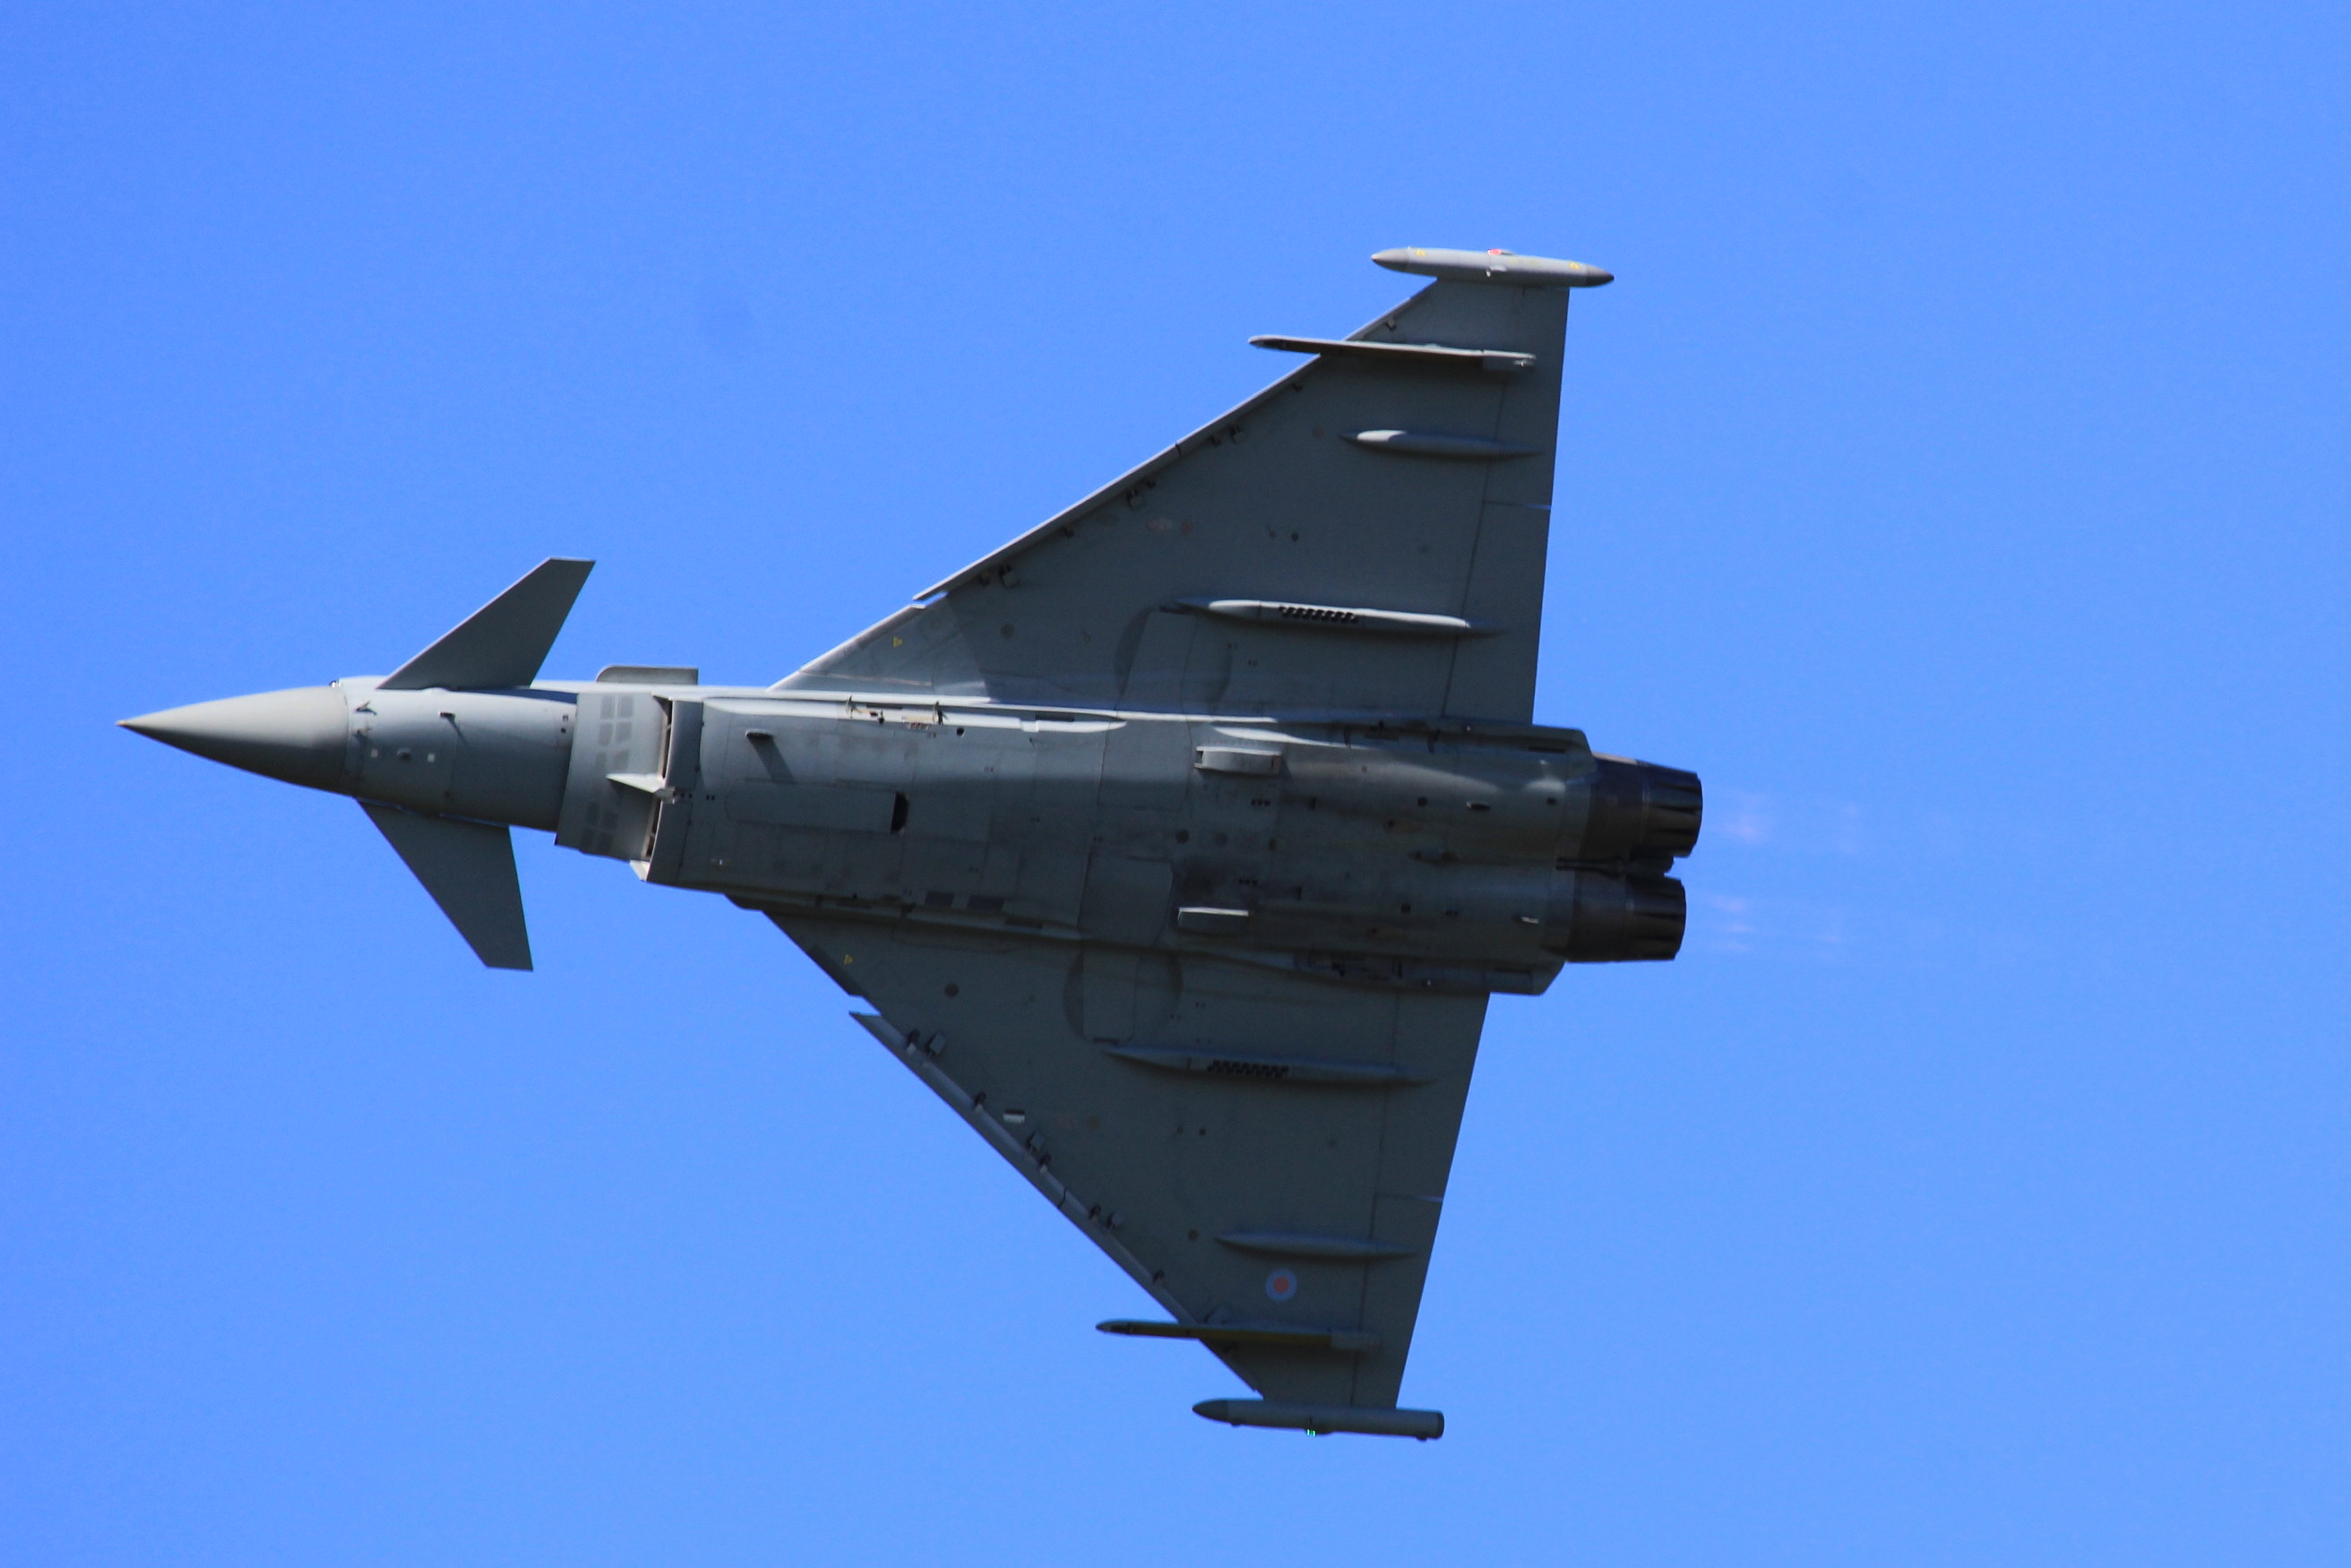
(1956, 477)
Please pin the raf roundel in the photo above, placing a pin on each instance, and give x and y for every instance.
(1281, 1284)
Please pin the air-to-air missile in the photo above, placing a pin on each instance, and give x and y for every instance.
(1178, 844)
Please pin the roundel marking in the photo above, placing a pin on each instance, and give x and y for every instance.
(1281, 1284)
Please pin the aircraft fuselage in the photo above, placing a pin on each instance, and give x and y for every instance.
(1435, 854)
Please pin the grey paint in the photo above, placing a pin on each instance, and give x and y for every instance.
(1275, 502)
(298, 735)
(1318, 1419)
(621, 732)
(504, 642)
(1177, 846)
(1433, 443)
(1416, 356)
(1493, 267)
(469, 869)
(500, 757)
(1286, 1334)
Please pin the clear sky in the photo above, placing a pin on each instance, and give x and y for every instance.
(1955, 477)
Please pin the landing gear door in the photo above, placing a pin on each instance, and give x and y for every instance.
(613, 794)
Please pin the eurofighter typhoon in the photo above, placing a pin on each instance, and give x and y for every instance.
(1177, 844)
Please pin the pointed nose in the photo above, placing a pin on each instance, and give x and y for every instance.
(296, 736)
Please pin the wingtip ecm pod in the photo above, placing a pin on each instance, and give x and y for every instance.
(1494, 266)
(1320, 1419)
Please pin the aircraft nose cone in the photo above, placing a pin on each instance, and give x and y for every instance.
(296, 736)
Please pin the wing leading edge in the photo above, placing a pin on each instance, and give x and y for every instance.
(1404, 471)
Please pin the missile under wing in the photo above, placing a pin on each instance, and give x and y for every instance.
(1177, 845)
(1394, 489)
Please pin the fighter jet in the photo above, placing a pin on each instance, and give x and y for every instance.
(1177, 845)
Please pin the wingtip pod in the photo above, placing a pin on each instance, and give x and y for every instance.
(1319, 1419)
(1493, 267)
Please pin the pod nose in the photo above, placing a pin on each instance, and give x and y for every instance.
(296, 736)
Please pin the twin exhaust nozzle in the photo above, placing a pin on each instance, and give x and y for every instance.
(1611, 901)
